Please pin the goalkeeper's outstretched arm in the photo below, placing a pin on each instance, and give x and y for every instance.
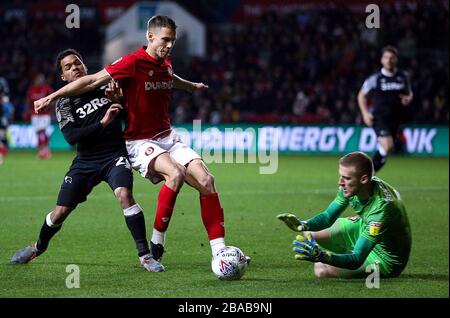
(319, 222)
(325, 219)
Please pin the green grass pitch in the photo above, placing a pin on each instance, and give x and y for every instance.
(96, 239)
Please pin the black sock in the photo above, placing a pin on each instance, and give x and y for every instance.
(378, 161)
(136, 225)
(46, 235)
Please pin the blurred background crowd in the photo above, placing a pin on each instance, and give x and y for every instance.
(302, 65)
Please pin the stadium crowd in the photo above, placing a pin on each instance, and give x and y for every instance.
(300, 67)
(307, 67)
(28, 47)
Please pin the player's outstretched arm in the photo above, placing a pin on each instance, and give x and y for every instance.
(319, 222)
(181, 83)
(80, 86)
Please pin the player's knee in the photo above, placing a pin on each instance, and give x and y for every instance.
(124, 196)
(206, 183)
(389, 149)
(321, 236)
(60, 213)
(177, 176)
(320, 270)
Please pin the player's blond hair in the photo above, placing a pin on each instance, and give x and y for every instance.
(361, 161)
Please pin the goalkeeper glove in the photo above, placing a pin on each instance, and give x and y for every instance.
(308, 250)
(293, 222)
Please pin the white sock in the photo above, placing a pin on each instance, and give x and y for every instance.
(217, 244)
(49, 222)
(132, 210)
(158, 237)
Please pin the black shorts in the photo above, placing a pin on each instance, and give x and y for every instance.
(84, 175)
(386, 127)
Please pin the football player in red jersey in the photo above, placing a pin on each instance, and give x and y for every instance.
(156, 151)
(42, 120)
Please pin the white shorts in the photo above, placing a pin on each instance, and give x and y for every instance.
(40, 122)
(144, 151)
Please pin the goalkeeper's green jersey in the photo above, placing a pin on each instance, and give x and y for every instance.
(384, 222)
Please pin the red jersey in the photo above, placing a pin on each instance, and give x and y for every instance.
(37, 92)
(147, 86)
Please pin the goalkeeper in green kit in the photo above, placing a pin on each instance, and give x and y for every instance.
(378, 235)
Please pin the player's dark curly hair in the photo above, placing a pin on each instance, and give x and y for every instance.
(361, 161)
(161, 21)
(63, 54)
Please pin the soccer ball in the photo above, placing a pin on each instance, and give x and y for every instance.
(229, 263)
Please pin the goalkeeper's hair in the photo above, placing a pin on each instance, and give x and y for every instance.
(361, 161)
(62, 55)
(161, 21)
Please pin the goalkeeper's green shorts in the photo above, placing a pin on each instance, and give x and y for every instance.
(343, 236)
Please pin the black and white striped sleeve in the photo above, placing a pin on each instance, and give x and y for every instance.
(63, 113)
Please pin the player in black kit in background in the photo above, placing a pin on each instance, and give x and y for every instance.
(391, 91)
(91, 121)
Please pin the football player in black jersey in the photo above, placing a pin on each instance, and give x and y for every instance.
(91, 121)
(390, 90)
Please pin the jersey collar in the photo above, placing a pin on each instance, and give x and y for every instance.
(149, 57)
(387, 73)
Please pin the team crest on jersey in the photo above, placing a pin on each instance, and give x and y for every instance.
(374, 228)
(151, 72)
(68, 179)
(149, 151)
(170, 71)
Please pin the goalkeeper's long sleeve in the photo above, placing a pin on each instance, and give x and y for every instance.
(326, 218)
(352, 260)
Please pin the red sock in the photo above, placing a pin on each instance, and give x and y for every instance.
(3, 149)
(212, 215)
(42, 139)
(166, 203)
